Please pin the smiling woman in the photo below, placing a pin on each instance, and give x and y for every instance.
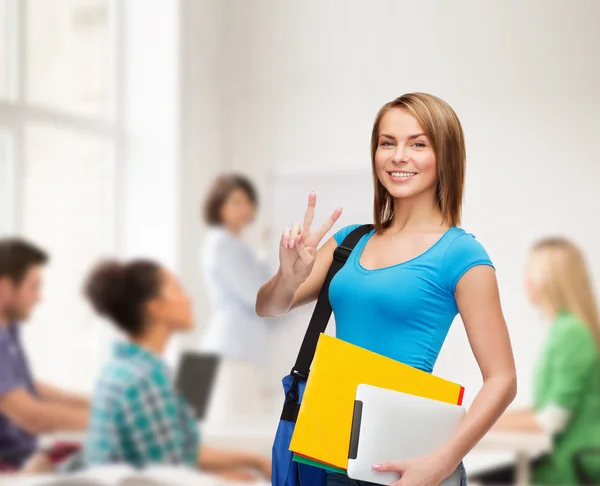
(408, 278)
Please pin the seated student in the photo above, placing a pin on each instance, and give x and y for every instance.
(137, 416)
(566, 386)
(27, 407)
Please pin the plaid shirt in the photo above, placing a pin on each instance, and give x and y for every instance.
(137, 417)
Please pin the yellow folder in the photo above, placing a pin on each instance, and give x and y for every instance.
(323, 428)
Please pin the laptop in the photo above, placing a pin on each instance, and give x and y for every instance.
(392, 426)
(195, 380)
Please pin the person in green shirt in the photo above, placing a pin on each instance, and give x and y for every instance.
(566, 385)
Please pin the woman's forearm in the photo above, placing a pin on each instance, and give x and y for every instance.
(211, 459)
(490, 403)
(276, 296)
(518, 421)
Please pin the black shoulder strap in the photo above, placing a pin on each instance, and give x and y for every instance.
(322, 312)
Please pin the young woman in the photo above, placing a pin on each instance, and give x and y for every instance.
(137, 417)
(233, 273)
(406, 280)
(566, 387)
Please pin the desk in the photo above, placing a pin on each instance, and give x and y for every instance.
(47, 440)
(503, 448)
(253, 433)
(256, 434)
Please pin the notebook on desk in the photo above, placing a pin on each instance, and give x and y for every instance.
(392, 426)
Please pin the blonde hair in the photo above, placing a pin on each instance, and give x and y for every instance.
(559, 273)
(443, 129)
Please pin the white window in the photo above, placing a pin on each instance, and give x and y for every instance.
(3, 48)
(59, 146)
(6, 185)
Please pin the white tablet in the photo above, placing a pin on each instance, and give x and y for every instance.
(393, 426)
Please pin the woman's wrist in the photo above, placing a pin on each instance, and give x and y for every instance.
(448, 460)
(251, 460)
(287, 282)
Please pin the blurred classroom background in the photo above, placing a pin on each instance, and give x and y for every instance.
(116, 117)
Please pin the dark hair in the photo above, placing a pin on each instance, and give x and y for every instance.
(17, 256)
(220, 190)
(120, 291)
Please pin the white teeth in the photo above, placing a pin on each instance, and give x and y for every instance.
(403, 174)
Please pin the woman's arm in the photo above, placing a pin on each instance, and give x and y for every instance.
(281, 293)
(568, 367)
(479, 305)
(478, 302)
(219, 460)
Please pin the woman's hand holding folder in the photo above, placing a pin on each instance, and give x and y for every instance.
(428, 470)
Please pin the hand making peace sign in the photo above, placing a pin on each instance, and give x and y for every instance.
(298, 246)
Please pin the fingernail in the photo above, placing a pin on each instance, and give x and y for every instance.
(299, 239)
(292, 241)
(377, 466)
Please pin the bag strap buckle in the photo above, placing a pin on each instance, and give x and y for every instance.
(341, 253)
(298, 374)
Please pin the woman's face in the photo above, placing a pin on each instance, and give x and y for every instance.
(405, 161)
(238, 211)
(173, 305)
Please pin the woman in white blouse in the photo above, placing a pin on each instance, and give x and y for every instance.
(233, 273)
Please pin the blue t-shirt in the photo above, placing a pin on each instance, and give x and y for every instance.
(403, 311)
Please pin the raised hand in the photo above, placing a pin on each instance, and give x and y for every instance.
(298, 246)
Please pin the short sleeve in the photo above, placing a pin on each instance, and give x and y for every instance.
(464, 253)
(9, 379)
(572, 362)
(340, 235)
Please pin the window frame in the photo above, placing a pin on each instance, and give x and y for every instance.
(16, 113)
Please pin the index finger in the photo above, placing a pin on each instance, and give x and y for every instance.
(327, 225)
(310, 213)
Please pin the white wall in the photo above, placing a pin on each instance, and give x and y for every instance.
(149, 224)
(300, 84)
(201, 38)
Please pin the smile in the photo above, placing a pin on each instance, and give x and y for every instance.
(402, 174)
